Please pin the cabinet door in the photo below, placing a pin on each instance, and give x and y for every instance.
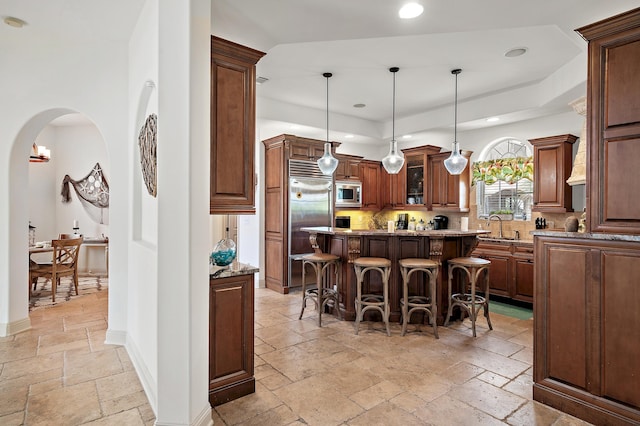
(230, 338)
(370, 174)
(500, 270)
(552, 159)
(523, 279)
(348, 168)
(394, 188)
(444, 192)
(232, 171)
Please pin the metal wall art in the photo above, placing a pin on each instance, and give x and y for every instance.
(147, 141)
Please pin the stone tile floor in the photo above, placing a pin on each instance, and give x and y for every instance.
(61, 372)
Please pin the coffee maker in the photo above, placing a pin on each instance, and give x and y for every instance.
(440, 222)
(403, 221)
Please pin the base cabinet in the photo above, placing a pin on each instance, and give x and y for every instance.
(511, 272)
(586, 350)
(230, 338)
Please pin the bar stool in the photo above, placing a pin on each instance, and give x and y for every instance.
(470, 302)
(377, 302)
(427, 303)
(322, 293)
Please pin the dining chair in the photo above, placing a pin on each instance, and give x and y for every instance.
(64, 263)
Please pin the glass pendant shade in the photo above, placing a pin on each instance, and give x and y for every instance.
(394, 161)
(327, 163)
(456, 163)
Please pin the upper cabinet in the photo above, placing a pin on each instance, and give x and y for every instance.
(613, 115)
(371, 176)
(348, 167)
(448, 192)
(232, 127)
(552, 160)
(407, 188)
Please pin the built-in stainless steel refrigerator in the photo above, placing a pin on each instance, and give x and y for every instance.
(310, 204)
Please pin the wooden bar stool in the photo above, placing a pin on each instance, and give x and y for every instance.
(426, 303)
(470, 302)
(324, 292)
(377, 302)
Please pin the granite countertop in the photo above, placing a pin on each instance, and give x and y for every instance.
(330, 230)
(233, 270)
(585, 235)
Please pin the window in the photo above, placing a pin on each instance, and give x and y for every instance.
(504, 179)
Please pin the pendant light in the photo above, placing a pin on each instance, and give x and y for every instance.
(327, 163)
(456, 163)
(394, 161)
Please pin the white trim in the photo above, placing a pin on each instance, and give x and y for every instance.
(203, 419)
(15, 327)
(114, 337)
(146, 379)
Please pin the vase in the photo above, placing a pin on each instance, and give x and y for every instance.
(224, 252)
(571, 224)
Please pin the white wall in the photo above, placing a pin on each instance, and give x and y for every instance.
(165, 330)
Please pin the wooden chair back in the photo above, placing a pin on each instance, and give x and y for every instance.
(65, 254)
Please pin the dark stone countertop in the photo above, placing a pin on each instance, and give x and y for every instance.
(233, 270)
(440, 233)
(586, 235)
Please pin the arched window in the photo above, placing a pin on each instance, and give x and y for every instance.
(504, 179)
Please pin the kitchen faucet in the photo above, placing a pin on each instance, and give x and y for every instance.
(500, 219)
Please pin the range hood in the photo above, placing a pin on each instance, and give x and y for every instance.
(579, 170)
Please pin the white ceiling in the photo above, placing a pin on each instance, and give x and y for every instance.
(358, 40)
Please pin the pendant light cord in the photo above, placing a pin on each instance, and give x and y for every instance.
(455, 107)
(327, 75)
(394, 70)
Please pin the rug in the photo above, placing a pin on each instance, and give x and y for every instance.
(510, 310)
(41, 296)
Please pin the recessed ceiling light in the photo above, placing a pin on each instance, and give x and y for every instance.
(516, 51)
(410, 10)
(359, 105)
(493, 119)
(348, 136)
(14, 22)
(407, 136)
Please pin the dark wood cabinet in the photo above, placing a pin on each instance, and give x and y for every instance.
(552, 158)
(447, 192)
(586, 356)
(370, 174)
(613, 116)
(305, 149)
(232, 169)
(348, 167)
(231, 338)
(511, 273)
(407, 188)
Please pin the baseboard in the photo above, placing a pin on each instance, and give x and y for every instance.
(114, 337)
(146, 379)
(15, 327)
(203, 419)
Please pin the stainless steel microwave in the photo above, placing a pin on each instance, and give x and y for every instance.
(348, 194)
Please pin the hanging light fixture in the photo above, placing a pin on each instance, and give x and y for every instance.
(394, 160)
(327, 163)
(456, 163)
(39, 154)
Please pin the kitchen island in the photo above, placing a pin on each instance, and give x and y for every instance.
(349, 244)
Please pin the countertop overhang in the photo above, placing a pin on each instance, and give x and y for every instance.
(439, 233)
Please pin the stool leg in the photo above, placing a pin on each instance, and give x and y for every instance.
(405, 299)
(432, 276)
(304, 290)
(449, 294)
(358, 298)
(474, 311)
(320, 288)
(385, 292)
(486, 298)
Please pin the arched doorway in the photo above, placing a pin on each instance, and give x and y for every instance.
(20, 205)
